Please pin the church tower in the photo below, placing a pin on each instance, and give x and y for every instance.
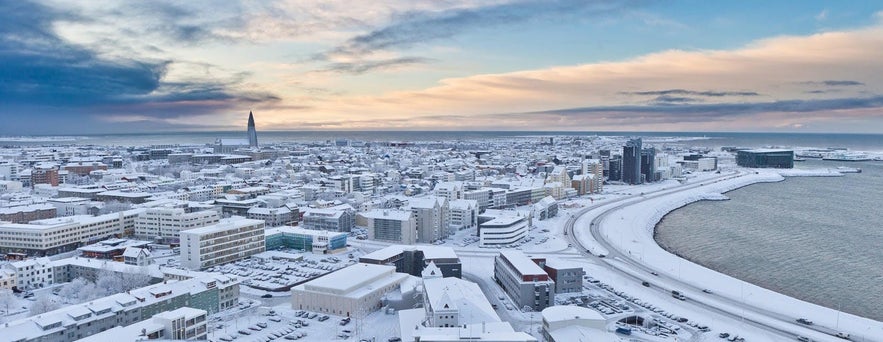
(252, 133)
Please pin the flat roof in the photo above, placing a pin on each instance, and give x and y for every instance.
(570, 312)
(522, 263)
(429, 252)
(388, 214)
(224, 224)
(767, 150)
(349, 279)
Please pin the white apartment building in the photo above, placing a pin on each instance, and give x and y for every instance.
(391, 225)
(272, 217)
(57, 235)
(31, 273)
(167, 223)
(502, 230)
(229, 240)
(463, 214)
(179, 324)
(450, 190)
(352, 291)
(431, 216)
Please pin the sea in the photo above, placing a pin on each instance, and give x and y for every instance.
(814, 238)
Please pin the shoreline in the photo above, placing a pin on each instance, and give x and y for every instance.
(640, 230)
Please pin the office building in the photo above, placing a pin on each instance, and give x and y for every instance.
(526, 283)
(164, 224)
(502, 228)
(631, 162)
(307, 240)
(391, 225)
(648, 165)
(64, 234)
(227, 241)
(766, 158)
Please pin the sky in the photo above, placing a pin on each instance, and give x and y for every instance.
(95, 67)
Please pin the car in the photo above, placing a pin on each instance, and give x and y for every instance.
(723, 335)
(803, 339)
(313, 315)
(275, 319)
(323, 318)
(394, 339)
(645, 283)
(804, 321)
(842, 335)
(262, 325)
(267, 295)
(706, 290)
(244, 332)
(654, 273)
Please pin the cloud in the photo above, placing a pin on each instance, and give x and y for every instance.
(410, 28)
(693, 92)
(361, 67)
(41, 70)
(842, 83)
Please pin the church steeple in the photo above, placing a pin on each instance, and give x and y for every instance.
(252, 133)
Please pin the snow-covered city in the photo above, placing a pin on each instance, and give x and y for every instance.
(522, 238)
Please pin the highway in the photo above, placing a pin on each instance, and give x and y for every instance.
(627, 266)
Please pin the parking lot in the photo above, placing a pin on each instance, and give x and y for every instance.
(280, 274)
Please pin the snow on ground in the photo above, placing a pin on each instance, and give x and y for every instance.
(257, 323)
(630, 229)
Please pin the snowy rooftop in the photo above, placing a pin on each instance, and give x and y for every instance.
(522, 263)
(570, 312)
(466, 296)
(398, 215)
(429, 252)
(225, 224)
(349, 280)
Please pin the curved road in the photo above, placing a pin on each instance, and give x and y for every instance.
(787, 327)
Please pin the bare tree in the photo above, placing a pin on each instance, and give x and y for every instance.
(43, 304)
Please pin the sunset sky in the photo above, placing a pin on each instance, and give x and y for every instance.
(147, 66)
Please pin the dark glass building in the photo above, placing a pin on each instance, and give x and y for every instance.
(648, 164)
(631, 161)
(766, 158)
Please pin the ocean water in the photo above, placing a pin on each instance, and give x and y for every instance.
(814, 238)
(861, 142)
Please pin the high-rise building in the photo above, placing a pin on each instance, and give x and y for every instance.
(252, 133)
(648, 164)
(631, 161)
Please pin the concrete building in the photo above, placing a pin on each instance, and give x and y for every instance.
(52, 236)
(431, 216)
(502, 229)
(307, 240)
(391, 225)
(179, 324)
(462, 214)
(273, 217)
(227, 241)
(165, 224)
(414, 259)
(338, 220)
(568, 278)
(353, 291)
(524, 281)
(766, 158)
(27, 213)
(573, 323)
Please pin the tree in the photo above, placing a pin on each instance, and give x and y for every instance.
(7, 300)
(73, 289)
(43, 304)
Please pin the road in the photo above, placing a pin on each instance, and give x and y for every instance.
(627, 266)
